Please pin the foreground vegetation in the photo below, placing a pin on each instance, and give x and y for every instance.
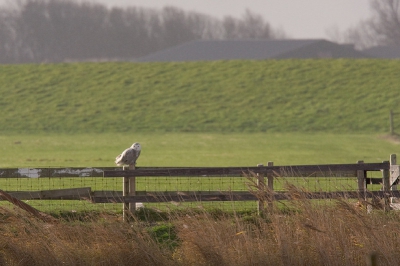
(342, 96)
(336, 234)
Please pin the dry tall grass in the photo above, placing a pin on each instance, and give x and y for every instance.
(343, 234)
(339, 233)
(100, 241)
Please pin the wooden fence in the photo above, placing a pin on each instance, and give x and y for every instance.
(264, 176)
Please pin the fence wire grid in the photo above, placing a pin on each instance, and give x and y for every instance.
(33, 190)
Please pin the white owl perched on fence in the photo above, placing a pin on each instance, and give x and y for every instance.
(129, 156)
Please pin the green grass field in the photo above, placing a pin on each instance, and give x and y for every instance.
(194, 149)
(341, 96)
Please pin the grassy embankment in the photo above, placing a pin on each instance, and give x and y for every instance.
(336, 96)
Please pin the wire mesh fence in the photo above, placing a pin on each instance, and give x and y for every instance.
(74, 193)
(76, 189)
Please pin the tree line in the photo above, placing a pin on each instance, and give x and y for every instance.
(35, 31)
(381, 29)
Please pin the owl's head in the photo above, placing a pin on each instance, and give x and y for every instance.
(136, 146)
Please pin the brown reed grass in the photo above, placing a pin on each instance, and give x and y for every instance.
(336, 233)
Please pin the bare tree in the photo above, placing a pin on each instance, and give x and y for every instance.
(53, 31)
(6, 37)
(383, 28)
(387, 23)
(250, 26)
(179, 26)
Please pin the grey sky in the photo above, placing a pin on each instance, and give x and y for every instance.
(298, 18)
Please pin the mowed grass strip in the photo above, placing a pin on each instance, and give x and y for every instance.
(341, 95)
(194, 149)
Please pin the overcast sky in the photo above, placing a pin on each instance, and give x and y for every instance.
(297, 18)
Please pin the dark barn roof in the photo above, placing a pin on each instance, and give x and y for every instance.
(391, 52)
(208, 50)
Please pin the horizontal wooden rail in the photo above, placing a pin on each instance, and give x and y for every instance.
(186, 196)
(54, 172)
(327, 170)
(239, 196)
(85, 193)
(56, 194)
(59, 172)
(333, 170)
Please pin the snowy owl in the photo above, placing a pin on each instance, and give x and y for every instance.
(129, 156)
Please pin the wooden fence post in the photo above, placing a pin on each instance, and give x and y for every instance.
(260, 187)
(372, 259)
(394, 175)
(263, 187)
(386, 188)
(270, 180)
(129, 189)
(362, 184)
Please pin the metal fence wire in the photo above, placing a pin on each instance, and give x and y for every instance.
(101, 189)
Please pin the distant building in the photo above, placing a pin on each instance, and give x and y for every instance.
(209, 50)
(390, 52)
